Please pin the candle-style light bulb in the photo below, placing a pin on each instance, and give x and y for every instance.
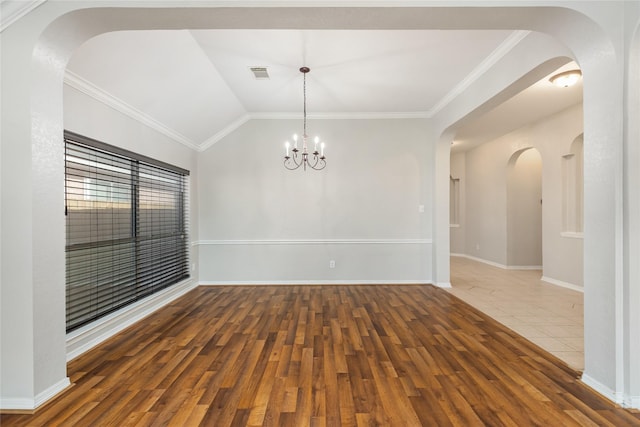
(322, 150)
(295, 140)
(287, 145)
(315, 147)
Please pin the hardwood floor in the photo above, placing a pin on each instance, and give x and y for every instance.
(322, 355)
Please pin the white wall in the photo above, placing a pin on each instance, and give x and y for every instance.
(486, 202)
(263, 223)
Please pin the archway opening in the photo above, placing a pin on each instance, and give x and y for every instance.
(524, 209)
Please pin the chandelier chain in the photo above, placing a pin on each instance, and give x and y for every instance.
(304, 106)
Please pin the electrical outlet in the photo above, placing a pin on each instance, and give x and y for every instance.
(332, 264)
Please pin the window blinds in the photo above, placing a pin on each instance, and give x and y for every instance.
(126, 228)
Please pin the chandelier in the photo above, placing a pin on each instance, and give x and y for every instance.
(302, 157)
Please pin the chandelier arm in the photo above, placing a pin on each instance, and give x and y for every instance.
(317, 167)
(318, 164)
(292, 162)
(291, 165)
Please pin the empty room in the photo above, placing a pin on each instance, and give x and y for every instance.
(320, 213)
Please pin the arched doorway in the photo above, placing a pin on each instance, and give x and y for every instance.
(524, 209)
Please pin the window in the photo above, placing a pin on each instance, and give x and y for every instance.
(126, 228)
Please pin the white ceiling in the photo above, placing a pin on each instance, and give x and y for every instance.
(532, 104)
(197, 86)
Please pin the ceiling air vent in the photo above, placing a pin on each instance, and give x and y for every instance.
(260, 73)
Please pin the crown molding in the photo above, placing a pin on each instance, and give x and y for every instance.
(498, 53)
(342, 116)
(224, 132)
(11, 11)
(79, 83)
(295, 116)
(117, 104)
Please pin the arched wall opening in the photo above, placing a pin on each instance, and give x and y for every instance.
(573, 188)
(33, 277)
(524, 209)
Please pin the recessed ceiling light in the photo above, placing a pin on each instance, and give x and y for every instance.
(566, 79)
(260, 73)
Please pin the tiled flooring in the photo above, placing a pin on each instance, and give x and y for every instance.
(548, 315)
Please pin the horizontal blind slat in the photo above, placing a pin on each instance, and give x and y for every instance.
(127, 223)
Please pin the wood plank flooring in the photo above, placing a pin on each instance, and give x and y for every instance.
(322, 356)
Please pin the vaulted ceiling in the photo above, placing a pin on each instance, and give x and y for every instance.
(197, 86)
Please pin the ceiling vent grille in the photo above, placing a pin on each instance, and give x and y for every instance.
(260, 73)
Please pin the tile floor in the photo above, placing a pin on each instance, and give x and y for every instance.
(548, 315)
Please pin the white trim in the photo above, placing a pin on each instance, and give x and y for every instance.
(17, 404)
(11, 11)
(598, 387)
(24, 404)
(444, 285)
(505, 47)
(495, 264)
(314, 282)
(87, 337)
(317, 242)
(342, 116)
(524, 267)
(79, 83)
(632, 402)
(562, 284)
(51, 392)
(572, 234)
(224, 132)
(484, 261)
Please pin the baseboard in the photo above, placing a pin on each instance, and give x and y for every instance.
(524, 267)
(51, 392)
(495, 264)
(315, 282)
(602, 389)
(484, 261)
(17, 405)
(23, 405)
(632, 402)
(87, 337)
(620, 398)
(562, 284)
